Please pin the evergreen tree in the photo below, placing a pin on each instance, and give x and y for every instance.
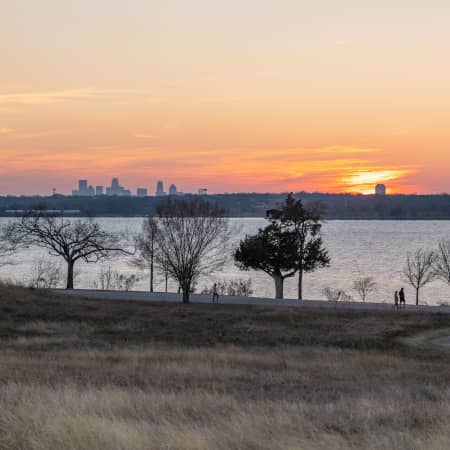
(305, 223)
(272, 250)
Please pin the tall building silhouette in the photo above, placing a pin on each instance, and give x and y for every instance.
(173, 190)
(160, 189)
(83, 189)
(117, 189)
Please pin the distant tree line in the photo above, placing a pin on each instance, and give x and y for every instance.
(332, 206)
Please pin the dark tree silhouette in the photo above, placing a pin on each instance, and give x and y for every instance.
(147, 248)
(73, 240)
(306, 224)
(419, 270)
(272, 250)
(192, 239)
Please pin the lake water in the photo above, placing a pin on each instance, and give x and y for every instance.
(357, 248)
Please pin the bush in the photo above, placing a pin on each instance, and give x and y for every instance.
(236, 288)
(336, 295)
(111, 280)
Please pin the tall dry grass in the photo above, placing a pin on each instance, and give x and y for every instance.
(220, 398)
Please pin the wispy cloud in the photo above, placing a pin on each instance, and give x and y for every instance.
(145, 136)
(6, 130)
(49, 97)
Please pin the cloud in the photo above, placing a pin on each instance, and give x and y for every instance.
(6, 130)
(145, 136)
(50, 97)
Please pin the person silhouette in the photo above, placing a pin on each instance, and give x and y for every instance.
(402, 298)
(215, 297)
(396, 299)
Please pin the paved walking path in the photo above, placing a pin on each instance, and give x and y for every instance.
(230, 300)
(444, 341)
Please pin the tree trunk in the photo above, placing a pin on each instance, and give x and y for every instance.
(417, 296)
(166, 280)
(70, 265)
(151, 269)
(186, 294)
(300, 284)
(278, 286)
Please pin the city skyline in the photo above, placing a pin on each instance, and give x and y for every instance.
(252, 97)
(86, 189)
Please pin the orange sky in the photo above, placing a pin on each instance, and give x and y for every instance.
(266, 96)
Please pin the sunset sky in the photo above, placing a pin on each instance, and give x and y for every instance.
(235, 96)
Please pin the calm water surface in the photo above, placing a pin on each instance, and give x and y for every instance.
(357, 248)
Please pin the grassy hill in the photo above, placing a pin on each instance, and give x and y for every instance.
(79, 374)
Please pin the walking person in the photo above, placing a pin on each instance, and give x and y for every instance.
(401, 296)
(215, 297)
(396, 299)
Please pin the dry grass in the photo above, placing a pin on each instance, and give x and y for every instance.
(70, 378)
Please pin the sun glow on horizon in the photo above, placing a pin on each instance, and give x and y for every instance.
(364, 181)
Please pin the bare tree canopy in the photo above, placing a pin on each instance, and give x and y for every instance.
(441, 265)
(419, 269)
(364, 286)
(73, 240)
(192, 240)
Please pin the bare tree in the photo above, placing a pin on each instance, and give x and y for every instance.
(109, 279)
(147, 248)
(441, 263)
(105, 279)
(73, 240)
(336, 295)
(192, 239)
(46, 274)
(420, 269)
(364, 286)
(163, 269)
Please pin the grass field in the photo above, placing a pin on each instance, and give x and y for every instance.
(84, 374)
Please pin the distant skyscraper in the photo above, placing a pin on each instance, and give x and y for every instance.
(82, 187)
(173, 190)
(117, 189)
(98, 190)
(141, 192)
(202, 191)
(380, 189)
(115, 184)
(160, 188)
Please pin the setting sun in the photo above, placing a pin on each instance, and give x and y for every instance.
(365, 181)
